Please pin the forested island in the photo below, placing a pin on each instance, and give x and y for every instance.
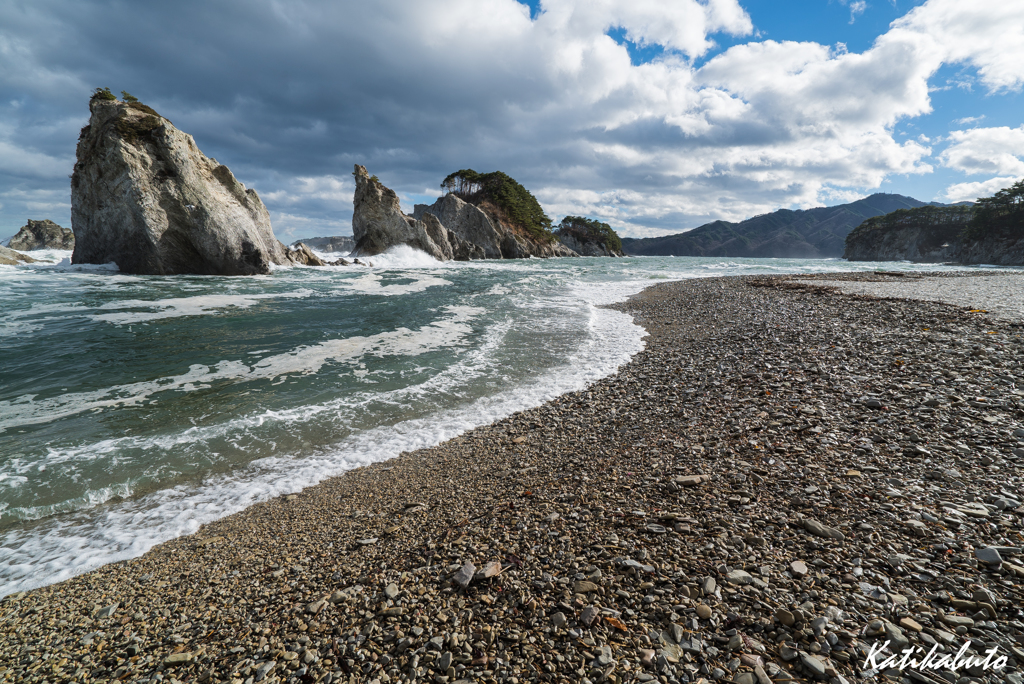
(479, 216)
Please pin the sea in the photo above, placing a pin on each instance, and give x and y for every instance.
(134, 409)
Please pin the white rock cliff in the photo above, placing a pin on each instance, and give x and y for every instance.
(146, 198)
(448, 229)
(379, 224)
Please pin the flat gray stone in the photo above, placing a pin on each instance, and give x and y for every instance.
(740, 578)
(107, 611)
(824, 531)
(813, 665)
(958, 620)
(465, 574)
(988, 556)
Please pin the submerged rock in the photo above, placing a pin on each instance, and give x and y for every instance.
(8, 257)
(42, 235)
(299, 253)
(146, 198)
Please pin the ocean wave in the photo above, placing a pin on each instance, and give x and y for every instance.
(372, 284)
(403, 256)
(130, 528)
(446, 332)
(198, 305)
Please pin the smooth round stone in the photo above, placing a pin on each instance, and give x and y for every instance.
(703, 611)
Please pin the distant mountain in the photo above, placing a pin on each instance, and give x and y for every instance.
(805, 234)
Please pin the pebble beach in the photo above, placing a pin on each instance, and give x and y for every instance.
(793, 472)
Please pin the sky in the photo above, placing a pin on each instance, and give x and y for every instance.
(655, 116)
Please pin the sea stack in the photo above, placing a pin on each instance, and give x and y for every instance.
(378, 224)
(146, 198)
(42, 235)
(486, 233)
(450, 228)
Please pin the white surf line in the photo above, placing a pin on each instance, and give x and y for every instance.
(198, 305)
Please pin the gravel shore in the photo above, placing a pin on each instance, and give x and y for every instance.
(786, 477)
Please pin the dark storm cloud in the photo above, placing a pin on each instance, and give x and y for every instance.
(291, 93)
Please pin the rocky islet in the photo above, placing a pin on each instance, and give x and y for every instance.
(143, 196)
(652, 527)
(42, 235)
(451, 228)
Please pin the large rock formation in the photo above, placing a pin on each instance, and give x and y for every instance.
(144, 197)
(995, 250)
(489, 238)
(990, 231)
(909, 243)
(589, 237)
(378, 224)
(468, 222)
(448, 229)
(42, 235)
(588, 248)
(8, 257)
(934, 244)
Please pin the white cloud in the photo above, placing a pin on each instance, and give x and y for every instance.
(683, 25)
(972, 191)
(983, 33)
(986, 150)
(967, 120)
(301, 189)
(856, 7)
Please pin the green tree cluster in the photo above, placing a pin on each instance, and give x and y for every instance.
(1001, 213)
(518, 206)
(955, 218)
(103, 94)
(590, 230)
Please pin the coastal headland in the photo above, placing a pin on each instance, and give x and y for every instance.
(787, 476)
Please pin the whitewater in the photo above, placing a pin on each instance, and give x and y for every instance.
(134, 409)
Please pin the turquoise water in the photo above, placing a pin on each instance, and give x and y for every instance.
(134, 409)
